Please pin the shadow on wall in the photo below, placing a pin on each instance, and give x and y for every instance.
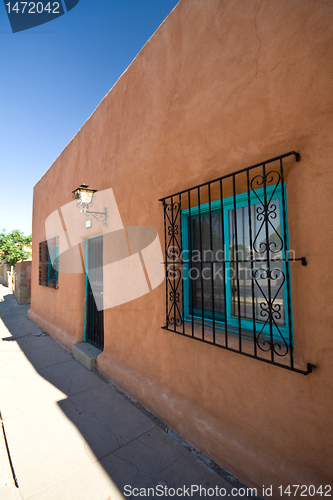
(126, 267)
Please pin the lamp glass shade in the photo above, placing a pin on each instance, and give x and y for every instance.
(83, 195)
(86, 196)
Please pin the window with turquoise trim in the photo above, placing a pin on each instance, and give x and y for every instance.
(49, 263)
(227, 263)
(53, 264)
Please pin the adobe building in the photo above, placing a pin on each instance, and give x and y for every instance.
(203, 274)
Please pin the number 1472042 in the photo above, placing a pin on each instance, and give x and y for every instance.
(32, 7)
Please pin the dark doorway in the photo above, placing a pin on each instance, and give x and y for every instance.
(95, 315)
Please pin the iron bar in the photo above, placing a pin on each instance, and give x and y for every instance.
(211, 265)
(240, 261)
(174, 267)
(166, 267)
(287, 265)
(252, 266)
(201, 280)
(181, 253)
(237, 265)
(223, 253)
(309, 369)
(270, 304)
(297, 158)
(190, 282)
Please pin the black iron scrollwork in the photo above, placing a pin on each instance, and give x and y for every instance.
(270, 312)
(173, 230)
(174, 277)
(266, 213)
(172, 216)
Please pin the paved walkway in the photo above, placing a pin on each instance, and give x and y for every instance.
(71, 435)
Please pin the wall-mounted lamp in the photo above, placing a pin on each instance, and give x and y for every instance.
(84, 198)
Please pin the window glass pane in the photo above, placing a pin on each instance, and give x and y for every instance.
(53, 263)
(206, 264)
(265, 290)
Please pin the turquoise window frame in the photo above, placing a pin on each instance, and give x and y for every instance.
(228, 204)
(51, 265)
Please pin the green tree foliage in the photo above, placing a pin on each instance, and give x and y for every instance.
(12, 246)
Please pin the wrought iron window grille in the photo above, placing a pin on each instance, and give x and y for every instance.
(233, 232)
(49, 263)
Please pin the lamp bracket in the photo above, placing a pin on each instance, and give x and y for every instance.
(100, 216)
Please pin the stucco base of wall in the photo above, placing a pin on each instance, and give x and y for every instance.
(193, 424)
(57, 333)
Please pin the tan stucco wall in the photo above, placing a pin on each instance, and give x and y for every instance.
(222, 84)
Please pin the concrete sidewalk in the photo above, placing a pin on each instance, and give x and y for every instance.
(71, 435)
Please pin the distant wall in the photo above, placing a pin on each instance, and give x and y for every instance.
(5, 276)
(22, 282)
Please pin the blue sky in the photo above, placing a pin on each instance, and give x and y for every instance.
(52, 77)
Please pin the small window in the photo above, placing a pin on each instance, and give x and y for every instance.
(227, 262)
(49, 263)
